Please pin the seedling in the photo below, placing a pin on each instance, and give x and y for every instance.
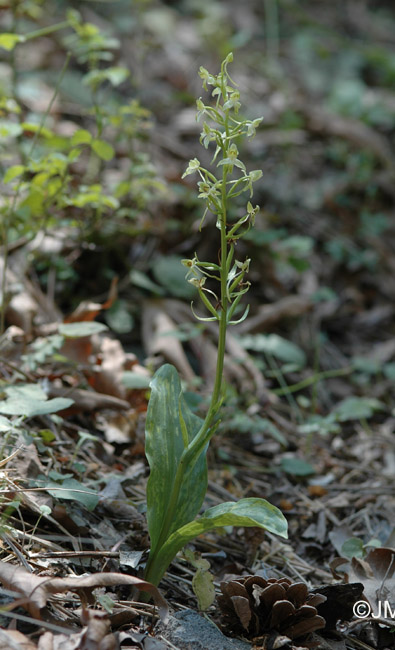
(176, 439)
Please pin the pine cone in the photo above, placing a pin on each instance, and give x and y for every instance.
(253, 606)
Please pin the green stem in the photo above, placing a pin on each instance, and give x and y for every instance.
(314, 379)
(153, 573)
(44, 31)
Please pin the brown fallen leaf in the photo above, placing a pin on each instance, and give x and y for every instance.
(37, 589)
(339, 603)
(323, 121)
(86, 400)
(156, 332)
(14, 640)
(87, 310)
(268, 315)
(97, 635)
(238, 365)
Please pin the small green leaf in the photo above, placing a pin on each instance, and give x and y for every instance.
(6, 425)
(9, 129)
(119, 318)
(8, 41)
(32, 127)
(29, 391)
(135, 380)
(170, 273)
(103, 149)
(47, 435)
(83, 328)
(13, 172)
(389, 371)
(72, 490)
(353, 547)
(275, 345)
(117, 75)
(357, 408)
(81, 137)
(203, 587)
(141, 280)
(296, 466)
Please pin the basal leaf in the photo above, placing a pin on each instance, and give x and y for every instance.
(246, 512)
(164, 447)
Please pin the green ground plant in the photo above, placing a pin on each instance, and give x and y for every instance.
(53, 181)
(176, 439)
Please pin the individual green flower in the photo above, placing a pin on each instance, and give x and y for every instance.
(252, 126)
(208, 135)
(233, 102)
(232, 158)
(208, 191)
(207, 77)
(193, 166)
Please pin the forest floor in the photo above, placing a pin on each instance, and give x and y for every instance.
(96, 218)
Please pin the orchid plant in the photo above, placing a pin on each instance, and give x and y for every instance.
(176, 439)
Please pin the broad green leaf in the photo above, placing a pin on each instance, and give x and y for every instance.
(9, 129)
(246, 512)
(366, 365)
(296, 466)
(81, 136)
(8, 41)
(164, 447)
(13, 172)
(357, 408)
(103, 149)
(7, 425)
(119, 318)
(83, 328)
(135, 380)
(353, 547)
(141, 280)
(29, 391)
(170, 273)
(275, 345)
(72, 490)
(115, 75)
(243, 423)
(30, 407)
